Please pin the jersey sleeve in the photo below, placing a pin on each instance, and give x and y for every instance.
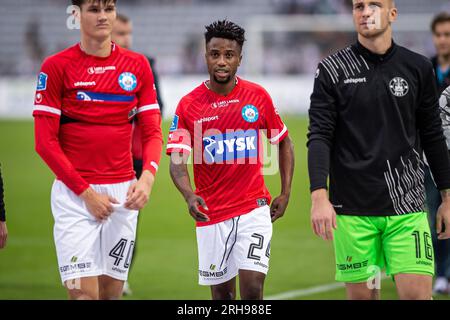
(48, 147)
(276, 129)
(179, 137)
(429, 124)
(147, 100)
(49, 89)
(322, 123)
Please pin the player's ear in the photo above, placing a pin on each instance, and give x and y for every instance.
(76, 12)
(393, 13)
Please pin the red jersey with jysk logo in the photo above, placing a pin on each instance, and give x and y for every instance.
(225, 134)
(95, 100)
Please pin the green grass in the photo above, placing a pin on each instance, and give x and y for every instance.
(166, 261)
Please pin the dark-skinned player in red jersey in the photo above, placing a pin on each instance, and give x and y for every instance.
(222, 121)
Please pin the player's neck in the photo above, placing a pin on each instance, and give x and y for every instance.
(95, 47)
(220, 88)
(378, 45)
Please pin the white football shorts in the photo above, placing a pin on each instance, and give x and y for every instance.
(240, 243)
(86, 247)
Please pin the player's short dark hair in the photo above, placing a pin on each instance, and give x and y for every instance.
(80, 2)
(225, 29)
(122, 18)
(439, 18)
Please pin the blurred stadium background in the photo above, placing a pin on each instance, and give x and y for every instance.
(286, 40)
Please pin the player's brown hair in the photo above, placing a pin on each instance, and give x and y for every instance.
(439, 18)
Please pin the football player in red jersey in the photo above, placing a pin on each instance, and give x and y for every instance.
(86, 99)
(222, 122)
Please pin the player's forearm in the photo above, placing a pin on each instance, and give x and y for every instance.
(286, 165)
(181, 179)
(318, 164)
(48, 147)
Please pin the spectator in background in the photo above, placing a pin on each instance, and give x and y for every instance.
(123, 36)
(34, 51)
(440, 28)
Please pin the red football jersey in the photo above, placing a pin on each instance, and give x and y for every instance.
(224, 133)
(95, 100)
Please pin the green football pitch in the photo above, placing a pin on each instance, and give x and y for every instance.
(165, 266)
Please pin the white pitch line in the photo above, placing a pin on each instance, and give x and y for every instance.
(306, 292)
(309, 291)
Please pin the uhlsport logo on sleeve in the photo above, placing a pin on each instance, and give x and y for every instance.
(42, 82)
(127, 81)
(250, 113)
(227, 147)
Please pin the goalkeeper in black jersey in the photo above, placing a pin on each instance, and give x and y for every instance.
(374, 110)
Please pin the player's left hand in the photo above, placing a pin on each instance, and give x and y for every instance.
(139, 192)
(278, 207)
(443, 220)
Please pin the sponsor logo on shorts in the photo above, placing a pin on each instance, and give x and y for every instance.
(119, 270)
(75, 267)
(425, 263)
(352, 266)
(259, 263)
(212, 274)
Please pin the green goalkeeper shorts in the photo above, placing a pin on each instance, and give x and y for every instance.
(365, 245)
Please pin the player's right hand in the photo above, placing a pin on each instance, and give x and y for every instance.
(99, 205)
(323, 215)
(194, 202)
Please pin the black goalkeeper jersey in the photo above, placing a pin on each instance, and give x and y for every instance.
(371, 118)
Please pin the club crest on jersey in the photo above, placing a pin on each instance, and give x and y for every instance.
(399, 87)
(174, 125)
(250, 113)
(127, 81)
(230, 146)
(42, 82)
